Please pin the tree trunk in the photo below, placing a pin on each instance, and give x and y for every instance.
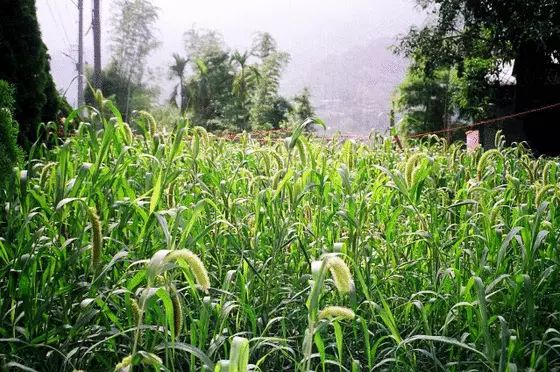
(531, 93)
(97, 83)
(81, 53)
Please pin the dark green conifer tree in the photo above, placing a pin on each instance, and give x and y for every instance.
(10, 153)
(24, 63)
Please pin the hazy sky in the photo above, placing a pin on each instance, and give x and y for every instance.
(308, 29)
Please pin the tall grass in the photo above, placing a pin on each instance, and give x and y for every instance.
(182, 251)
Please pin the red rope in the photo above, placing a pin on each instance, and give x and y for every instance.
(485, 122)
(231, 136)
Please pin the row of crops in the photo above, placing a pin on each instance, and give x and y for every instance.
(182, 251)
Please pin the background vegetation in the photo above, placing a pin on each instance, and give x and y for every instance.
(483, 46)
(216, 87)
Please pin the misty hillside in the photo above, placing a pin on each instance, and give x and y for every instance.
(351, 89)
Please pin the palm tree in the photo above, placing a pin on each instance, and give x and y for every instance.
(203, 91)
(178, 71)
(241, 81)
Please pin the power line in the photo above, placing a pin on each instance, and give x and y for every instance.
(59, 21)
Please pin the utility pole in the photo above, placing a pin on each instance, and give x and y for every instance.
(80, 53)
(97, 83)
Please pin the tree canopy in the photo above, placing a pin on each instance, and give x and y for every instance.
(501, 30)
(481, 41)
(220, 88)
(133, 39)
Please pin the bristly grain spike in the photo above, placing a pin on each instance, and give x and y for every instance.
(96, 238)
(199, 271)
(340, 274)
(340, 312)
(177, 310)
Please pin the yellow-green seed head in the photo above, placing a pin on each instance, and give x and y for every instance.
(199, 271)
(45, 173)
(340, 312)
(128, 133)
(410, 165)
(124, 364)
(159, 281)
(152, 124)
(177, 310)
(483, 159)
(548, 170)
(542, 191)
(171, 195)
(96, 238)
(136, 312)
(340, 274)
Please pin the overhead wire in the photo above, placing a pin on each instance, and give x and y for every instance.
(59, 21)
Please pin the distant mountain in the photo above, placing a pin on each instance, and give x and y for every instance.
(351, 89)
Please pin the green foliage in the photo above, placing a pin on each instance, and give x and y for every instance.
(484, 29)
(230, 89)
(209, 88)
(125, 93)
(132, 40)
(24, 63)
(133, 36)
(10, 153)
(178, 70)
(481, 40)
(427, 103)
(434, 98)
(266, 107)
(475, 95)
(302, 107)
(434, 258)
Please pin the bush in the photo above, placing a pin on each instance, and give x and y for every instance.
(10, 153)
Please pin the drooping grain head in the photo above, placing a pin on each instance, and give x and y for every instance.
(177, 310)
(159, 281)
(124, 365)
(152, 124)
(45, 173)
(171, 195)
(547, 171)
(128, 133)
(136, 311)
(340, 312)
(410, 165)
(541, 192)
(482, 161)
(96, 238)
(199, 271)
(340, 274)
